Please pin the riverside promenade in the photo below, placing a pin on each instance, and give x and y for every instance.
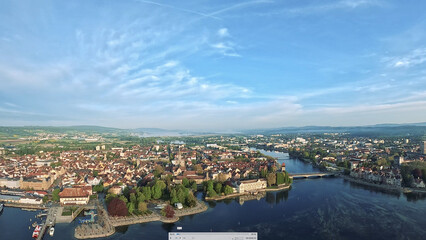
(234, 195)
(129, 220)
(105, 226)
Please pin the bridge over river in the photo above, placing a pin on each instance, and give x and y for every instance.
(312, 175)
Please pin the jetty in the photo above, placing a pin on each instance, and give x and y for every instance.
(50, 221)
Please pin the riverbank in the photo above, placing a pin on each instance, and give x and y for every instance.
(383, 186)
(234, 195)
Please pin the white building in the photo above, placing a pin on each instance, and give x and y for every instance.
(251, 185)
(73, 196)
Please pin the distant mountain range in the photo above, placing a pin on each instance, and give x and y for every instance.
(411, 129)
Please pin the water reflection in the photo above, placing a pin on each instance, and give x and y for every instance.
(372, 189)
(122, 229)
(168, 227)
(414, 197)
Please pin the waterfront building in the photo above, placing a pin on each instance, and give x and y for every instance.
(10, 182)
(74, 196)
(251, 185)
(35, 183)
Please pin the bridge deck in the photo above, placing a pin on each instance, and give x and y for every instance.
(309, 175)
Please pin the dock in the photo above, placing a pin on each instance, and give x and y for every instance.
(50, 221)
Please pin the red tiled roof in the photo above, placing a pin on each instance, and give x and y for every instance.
(73, 192)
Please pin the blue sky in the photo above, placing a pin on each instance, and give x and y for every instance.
(212, 65)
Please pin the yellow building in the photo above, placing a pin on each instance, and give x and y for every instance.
(35, 183)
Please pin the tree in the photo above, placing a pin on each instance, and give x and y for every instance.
(228, 190)
(271, 179)
(280, 178)
(424, 174)
(130, 207)
(263, 173)
(126, 192)
(98, 188)
(95, 173)
(133, 198)
(123, 198)
(218, 187)
(141, 197)
(211, 193)
(168, 211)
(156, 192)
(146, 191)
(142, 207)
(190, 200)
(182, 194)
(117, 207)
(109, 197)
(55, 195)
(194, 186)
(45, 199)
(417, 173)
(185, 182)
(173, 197)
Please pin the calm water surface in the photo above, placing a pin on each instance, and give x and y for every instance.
(328, 208)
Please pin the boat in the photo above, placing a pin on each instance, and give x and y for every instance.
(1, 207)
(36, 232)
(34, 224)
(51, 231)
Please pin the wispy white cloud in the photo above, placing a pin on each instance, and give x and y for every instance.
(223, 32)
(414, 58)
(226, 49)
(321, 7)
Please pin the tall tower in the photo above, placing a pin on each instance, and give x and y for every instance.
(423, 147)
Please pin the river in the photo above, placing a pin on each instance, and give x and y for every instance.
(322, 208)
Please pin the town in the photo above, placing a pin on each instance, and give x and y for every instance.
(156, 179)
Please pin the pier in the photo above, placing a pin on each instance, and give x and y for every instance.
(50, 221)
(312, 175)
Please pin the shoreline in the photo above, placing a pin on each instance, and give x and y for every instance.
(234, 195)
(110, 223)
(383, 186)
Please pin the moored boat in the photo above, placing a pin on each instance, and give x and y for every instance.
(51, 231)
(36, 232)
(1, 207)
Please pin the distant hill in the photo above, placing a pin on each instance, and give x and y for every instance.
(33, 130)
(143, 132)
(412, 129)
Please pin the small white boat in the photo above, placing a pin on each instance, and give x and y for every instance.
(51, 231)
